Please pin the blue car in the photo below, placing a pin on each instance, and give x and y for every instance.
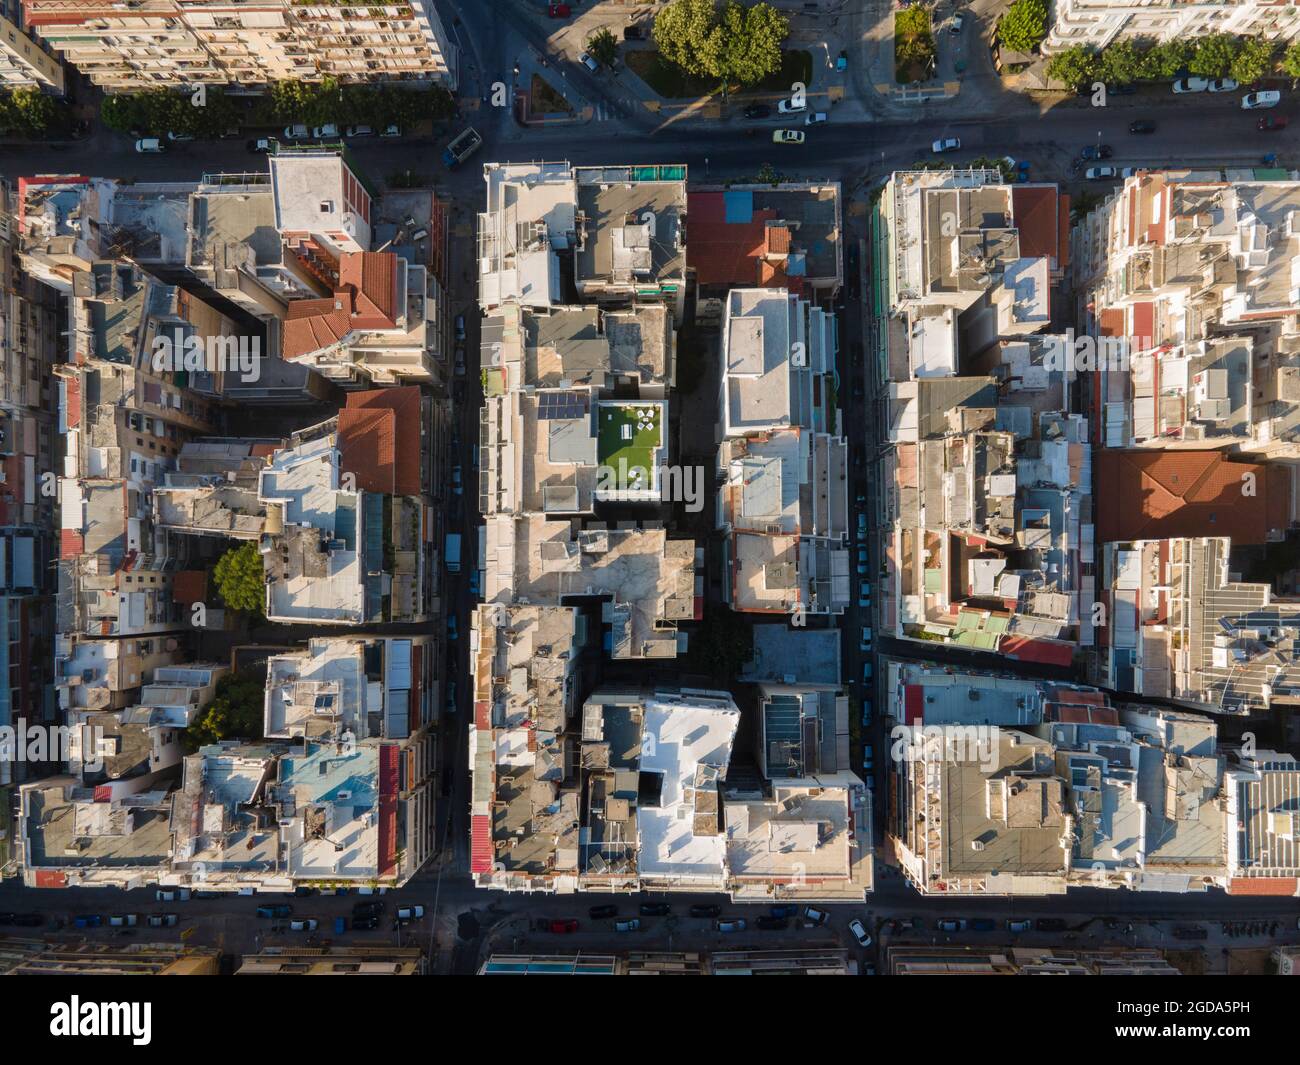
(784, 911)
(88, 920)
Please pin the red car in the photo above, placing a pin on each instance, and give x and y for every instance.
(559, 11)
(1269, 123)
(563, 925)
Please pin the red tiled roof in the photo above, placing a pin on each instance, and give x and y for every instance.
(1263, 885)
(1152, 495)
(778, 240)
(190, 586)
(913, 703)
(1029, 649)
(1037, 220)
(72, 388)
(405, 405)
(368, 448)
(51, 878)
(366, 299)
(480, 848)
(723, 253)
(71, 543)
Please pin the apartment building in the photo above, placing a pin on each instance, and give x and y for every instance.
(1188, 281)
(1027, 961)
(782, 463)
(153, 43)
(986, 472)
(1003, 786)
(1099, 22)
(1262, 788)
(24, 64)
(621, 228)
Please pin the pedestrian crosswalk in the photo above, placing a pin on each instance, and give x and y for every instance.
(604, 111)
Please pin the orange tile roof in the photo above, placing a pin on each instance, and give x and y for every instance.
(1152, 495)
(1264, 885)
(404, 439)
(190, 586)
(366, 299)
(777, 240)
(368, 448)
(1037, 220)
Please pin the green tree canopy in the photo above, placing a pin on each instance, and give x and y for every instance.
(1165, 60)
(30, 113)
(1024, 26)
(1291, 60)
(734, 43)
(236, 711)
(240, 578)
(602, 46)
(1255, 60)
(1121, 63)
(1075, 66)
(1214, 55)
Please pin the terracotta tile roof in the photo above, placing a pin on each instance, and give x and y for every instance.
(368, 448)
(190, 586)
(1152, 495)
(404, 404)
(1028, 649)
(778, 240)
(1263, 885)
(71, 543)
(1037, 220)
(722, 252)
(366, 299)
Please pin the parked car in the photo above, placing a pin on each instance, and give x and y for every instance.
(757, 111)
(772, 924)
(954, 27)
(1271, 123)
(163, 920)
(149, 146)
(564, 925)
(460, 360)
(1019, 926)
(559, 11)
(784, 911)
(457, 484)
(865, 644)
(866, 672)
(791, 106)
(364, 924)
(655, 909)
(304, 924)
(329, 131)
(1255, 100)
(359, 131)
(950, 925)
(705, 910)
(296, 133)
(1223, 85)
(859, 933)
(1183, 85)
(87, 920)
(475, 584)
(816, 118)
(864, 595)
(177, 138)
(261, 145)
(982, 924)
(866, 710)
(460, 328)
(451, 697)
(733, 925)
(410, 913)
(631, 924)
(868, 757)
(391, 131)
(1142, 125)
(597, 913)
(1096, 151)
(1101, 173)
(816, 916)
(787, 136)
(277, 911)
(946, 144)
(368, 909)
(588, 62)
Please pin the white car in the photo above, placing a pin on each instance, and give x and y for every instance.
(149, 146)
(307, 924)
(955, 25)
(946, 144)
(391, 131)
(360, 131)
(859, 933)
(1222, 85)
(162, 920)
(1183, 85)
(1101, 173)
(325, 132)
(787, 136)
(410, 913)
(816, 119)
(296, 133)
(175, 137)
(790, 107)
(1268, 98)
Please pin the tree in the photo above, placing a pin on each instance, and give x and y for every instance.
(240, 578)
(1121, 63)
(1075, 66)
(738, 43)
(1024, 26)
(603, 47)
(1255, 60)
(1164, 61)
(236, 712)
(681, 32)
(1214, 55)
(1291, 60)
